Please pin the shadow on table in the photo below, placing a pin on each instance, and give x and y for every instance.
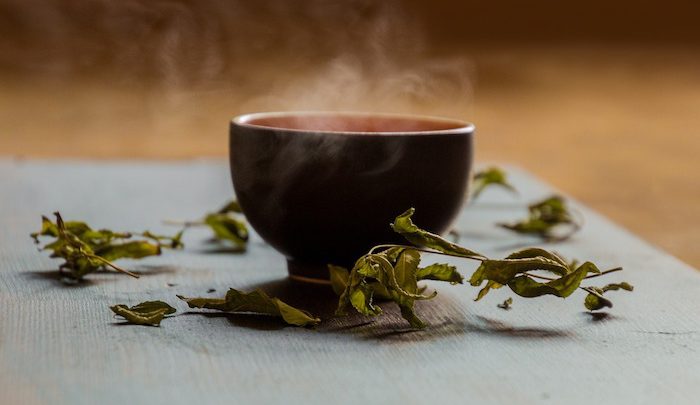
(214, 246)
(444, 316)
(252, 321)
(319, 300)
(95, 278)
(59, 278)
(599, 317)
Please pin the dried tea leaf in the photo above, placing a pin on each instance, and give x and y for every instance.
(340, 277)
(227, 224)
(137, 249)
(618, 286)
(256, 302)
(525, 286)
(405, 272)
(227, 227)
(539, 252)
(395, 272)
(490, 285)
(545, 218)
(506, 304)
(172, 242)
(231, 206)
(492, 176)
(440, 272)
(361, 299)
(145, 313)
(390, 274)
(86, 250)
(595, 300)
(404, 226)
(48, 228)
(504, 270)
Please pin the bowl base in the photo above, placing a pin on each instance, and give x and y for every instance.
(312, 273)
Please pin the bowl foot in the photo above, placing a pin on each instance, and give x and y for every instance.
(313, 273)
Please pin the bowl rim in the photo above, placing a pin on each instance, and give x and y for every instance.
(461, 127)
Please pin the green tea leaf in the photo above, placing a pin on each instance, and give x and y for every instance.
(294, 316)
(353, 283)
(525, 286)
(172, 242)
(340, 277)
(145, 313)
(490, 285)
(440, 272)
(254, 302)
(391, 275)
(227, 224)
(404, 226)
(86, 250)
(48, 228)
(538, 252)
(231, 206)
(405, 271)
(361, 299)
(492, 176)
(128, 250)
(503, 271)
(506, 304)
(544, 218)
(220, 304)
(227, 227)
(595, 300)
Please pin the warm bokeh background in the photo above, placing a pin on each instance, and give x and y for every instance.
(600, 98)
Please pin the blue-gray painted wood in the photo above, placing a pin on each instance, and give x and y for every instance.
(61, 345)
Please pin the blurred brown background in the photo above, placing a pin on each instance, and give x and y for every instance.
(600, 98)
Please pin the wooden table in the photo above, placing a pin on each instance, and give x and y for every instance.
(60, 344)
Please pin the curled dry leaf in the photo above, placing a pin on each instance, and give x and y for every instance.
(256, 302)
(550, 219)
(145, 313)
(492, 176)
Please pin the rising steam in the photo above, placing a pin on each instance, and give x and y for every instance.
(180, 68)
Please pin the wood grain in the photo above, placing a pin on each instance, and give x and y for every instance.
(60, 344)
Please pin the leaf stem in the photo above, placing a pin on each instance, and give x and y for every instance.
(437, 252)
(112, 265)
(186, 224)
(585, 278)
(603, 273)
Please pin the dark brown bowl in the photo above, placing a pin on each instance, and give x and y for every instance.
(323, 187)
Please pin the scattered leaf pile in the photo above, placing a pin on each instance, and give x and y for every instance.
(392, 272)
(386, 273)
(86, 250)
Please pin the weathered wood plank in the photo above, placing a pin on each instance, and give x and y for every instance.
(60, 344)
